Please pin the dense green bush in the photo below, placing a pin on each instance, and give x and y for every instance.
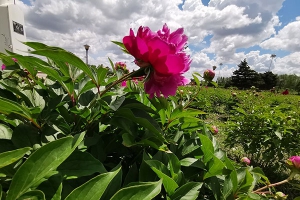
(78, 135)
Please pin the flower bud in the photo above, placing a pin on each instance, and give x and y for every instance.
(208, 75)
(215, 130)
(181, 91)
(3, 67)
(14, 59)
(280, 196)
(294, 163)
(233, 94)
(245, 160)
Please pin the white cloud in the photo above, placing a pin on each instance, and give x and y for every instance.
(287, 38)
(233, 24)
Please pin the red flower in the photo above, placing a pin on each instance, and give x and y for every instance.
(163, 53)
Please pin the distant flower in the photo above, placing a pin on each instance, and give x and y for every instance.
(245, 160)
(121, 66)
(3, 67)
(181, 91)
(123, 84)
(14, 59)
(162, 52)
(233, 94)
(208, 75)
(215, 130)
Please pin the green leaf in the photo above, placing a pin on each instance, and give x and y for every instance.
(5, 132)
(140, 191)
(112, 65)
(80, 164)
(8, 107)
(192, 162)
(26, 135)
(101, 74)
(33, 195)
(10, 157)
(94, 188)
(52, 187)
(174, 164)
(18, 92)
(188, 191)
(169, 184)
(58, 54)
(41, 163)
(115, 104)
(207, 147)
(196, 80)
(143, 119)
(247, 183)
(216, 167)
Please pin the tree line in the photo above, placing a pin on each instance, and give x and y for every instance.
(245, 77)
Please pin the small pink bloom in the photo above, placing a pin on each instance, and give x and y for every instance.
(208, 75)
(3, 67)
(14, 59)
(295, 160)
(123, 84)
(163, 52)
(120, 65)
(245, 160)
(215, 129)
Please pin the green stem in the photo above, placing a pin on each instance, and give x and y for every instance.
(123, 78)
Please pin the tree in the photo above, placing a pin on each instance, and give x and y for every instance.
(244, 77)
(269, 79)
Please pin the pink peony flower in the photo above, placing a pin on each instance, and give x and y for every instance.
(245, 160)
(163, 52)
(14, 59)
(215, 130)
(294, 161)
(3, 67)
(208, 75)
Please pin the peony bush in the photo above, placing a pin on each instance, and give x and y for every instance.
(78, 134)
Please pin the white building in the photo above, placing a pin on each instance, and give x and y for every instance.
(12, 29)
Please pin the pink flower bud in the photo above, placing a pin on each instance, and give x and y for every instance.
(215, 130)
(14, 59)
(245, 160)
(123, 84)
(208, 75)
(3, 67)
(294, 162)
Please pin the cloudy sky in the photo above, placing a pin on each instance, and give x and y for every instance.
(219, 31)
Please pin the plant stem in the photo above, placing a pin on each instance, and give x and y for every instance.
(123, 78)
(278, 183)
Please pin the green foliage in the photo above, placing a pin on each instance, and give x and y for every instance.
(78, 135)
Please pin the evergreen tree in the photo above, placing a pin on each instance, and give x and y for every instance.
(244, 77)
(270, 80)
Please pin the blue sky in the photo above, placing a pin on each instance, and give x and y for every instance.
(219, 31)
